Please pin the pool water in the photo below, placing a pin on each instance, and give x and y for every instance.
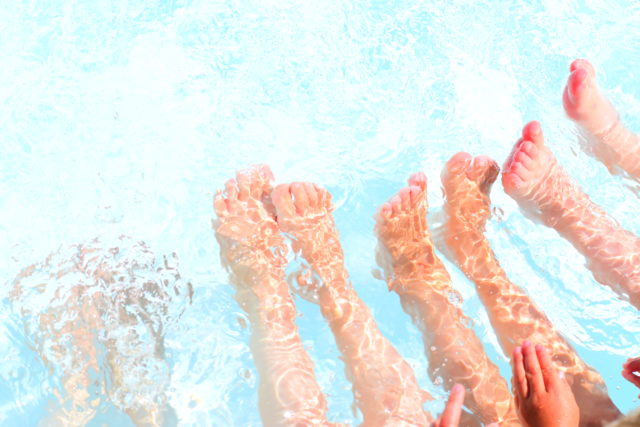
(124, 117)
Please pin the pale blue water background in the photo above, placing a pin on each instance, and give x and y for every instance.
(125, 116)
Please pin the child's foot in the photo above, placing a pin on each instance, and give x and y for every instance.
(608, 140)
(533, 177)
(246, 230)
(403, 233)
(467, 182)
(304, 211)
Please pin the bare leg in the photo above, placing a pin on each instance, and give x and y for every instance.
(100, 300)
(606, 137)
(425, 290)
(467, 183)
(385, 387)
(254, 252)
(545, 192)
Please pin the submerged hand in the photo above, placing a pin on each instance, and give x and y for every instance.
(543, 398)
(631, 371)
(451, 415)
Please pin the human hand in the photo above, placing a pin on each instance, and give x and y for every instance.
(543, 398)
(631, 371)
(452, 411)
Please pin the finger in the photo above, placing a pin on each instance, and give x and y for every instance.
(451, 415)
(549, 373)
(519, 374)
(633, 364)
(535, 383)
(632, 378)
(219, 204)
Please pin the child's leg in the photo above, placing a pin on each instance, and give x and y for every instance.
(425, 289)
(385, 386)
(467, 183)
(254, 251)
(543, 190)
(607, 138)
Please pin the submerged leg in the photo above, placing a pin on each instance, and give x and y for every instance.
(424, 286)
(384, 384)
(533, 177)
(467, 183)
(606, 137)
(254, 251)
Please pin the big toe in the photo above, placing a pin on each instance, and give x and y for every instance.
(532, 131)
(582, 64)
(458, 164)
(418, 179)
(254, 182)
(484, 172)
(300, 197)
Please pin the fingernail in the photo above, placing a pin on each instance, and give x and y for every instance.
(526, 343)
(457, 388)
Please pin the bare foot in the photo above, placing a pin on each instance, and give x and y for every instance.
(543, 398)
(385, 386)
(304, 211)
(467, 182)
(606, 137)
(533, 177)
(254, 251)
(247, 232)
(544, 191)
(512, 314)
(424, 286)
(404, 236)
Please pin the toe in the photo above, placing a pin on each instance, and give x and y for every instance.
(416, 195)
(419, 179)
(405, 197)
(582, 64)
(281, 197)
(533, 132)
(511, 180)
(386, 210)
(245, 179)
(523, 157)
(576, 84)
(459, 163)
(312, 195)
(264, 181)
(396, 204)
(300, 197)
(484, 169)
(219, 204)
(484, 172)
(231, 189)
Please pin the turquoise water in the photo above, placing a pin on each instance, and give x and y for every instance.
(123, 117)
